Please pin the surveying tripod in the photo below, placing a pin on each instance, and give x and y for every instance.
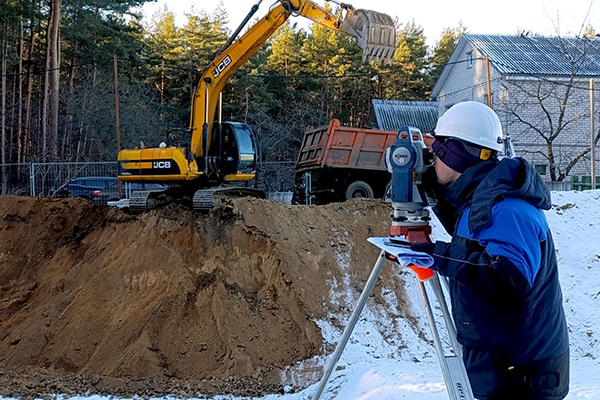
(410, 219)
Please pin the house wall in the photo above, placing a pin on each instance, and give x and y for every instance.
(469, 81)
(516, 103)
(527, 121)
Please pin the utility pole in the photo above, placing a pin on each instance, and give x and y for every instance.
(117, 112)
(117, 102)
(489, 86)
(592, 148)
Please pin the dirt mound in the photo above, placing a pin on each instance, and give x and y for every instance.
(171, 301)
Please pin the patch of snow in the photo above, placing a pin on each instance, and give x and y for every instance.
(378, 362)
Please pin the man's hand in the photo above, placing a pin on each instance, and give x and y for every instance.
(423, 247)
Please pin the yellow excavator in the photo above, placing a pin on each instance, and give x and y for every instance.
(221, 152)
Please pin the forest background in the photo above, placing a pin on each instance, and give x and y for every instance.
(57, 78)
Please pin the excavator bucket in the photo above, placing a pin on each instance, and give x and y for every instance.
(374, 32)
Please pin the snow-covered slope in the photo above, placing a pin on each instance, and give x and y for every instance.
(372, 368)
(388, 358)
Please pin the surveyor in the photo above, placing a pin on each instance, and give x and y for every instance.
(501, 262)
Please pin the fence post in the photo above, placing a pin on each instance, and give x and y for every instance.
(32, 178)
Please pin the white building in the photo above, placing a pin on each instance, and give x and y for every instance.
(540, 88)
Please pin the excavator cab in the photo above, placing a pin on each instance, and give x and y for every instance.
(238, 151)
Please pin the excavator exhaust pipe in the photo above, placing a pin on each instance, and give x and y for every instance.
(374, 32)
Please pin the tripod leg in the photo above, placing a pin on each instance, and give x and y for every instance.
(439, 294)
(453, 367)
(364, 296)
(436, 337)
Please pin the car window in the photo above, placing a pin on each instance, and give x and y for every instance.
(77, 181)
(99, 182)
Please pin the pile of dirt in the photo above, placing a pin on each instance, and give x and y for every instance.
(96, 300)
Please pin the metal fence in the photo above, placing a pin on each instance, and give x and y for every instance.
(47, 178)
(275, 178)
(44, 179)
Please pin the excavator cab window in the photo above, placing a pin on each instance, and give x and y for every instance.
(246, 148)
(229, 151)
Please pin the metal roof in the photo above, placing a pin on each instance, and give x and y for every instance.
(391, 115)
(539, 55)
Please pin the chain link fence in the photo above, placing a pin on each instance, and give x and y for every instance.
(276, 176)
(46, 179)
(277, 179)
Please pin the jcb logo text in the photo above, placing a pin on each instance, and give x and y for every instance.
(161, 164)
(221, 67)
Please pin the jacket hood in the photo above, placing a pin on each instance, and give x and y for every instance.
(488, 182)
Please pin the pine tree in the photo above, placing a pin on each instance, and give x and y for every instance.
(409, 83)
(443, 50)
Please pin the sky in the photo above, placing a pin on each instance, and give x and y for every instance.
(545, 17)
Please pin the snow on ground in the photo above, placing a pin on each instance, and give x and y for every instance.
(387, 359)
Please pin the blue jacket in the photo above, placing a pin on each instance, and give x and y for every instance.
(504, 285)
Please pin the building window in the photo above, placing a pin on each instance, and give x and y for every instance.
(541, 169)
(469, 59)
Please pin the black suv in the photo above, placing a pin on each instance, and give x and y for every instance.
(102, 189)
(87, 187)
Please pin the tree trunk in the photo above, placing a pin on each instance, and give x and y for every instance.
(551, 161)
(44, 109)
(11, 122)
(54, 84)
(3, 116)
(20, 96)
(68, 126)
(28, 137)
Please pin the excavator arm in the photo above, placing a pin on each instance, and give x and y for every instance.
(373, 31)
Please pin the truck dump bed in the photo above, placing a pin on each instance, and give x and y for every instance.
(340, 146)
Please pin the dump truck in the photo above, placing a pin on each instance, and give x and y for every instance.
(337, 163)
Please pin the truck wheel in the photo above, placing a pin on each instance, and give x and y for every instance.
(359, 189)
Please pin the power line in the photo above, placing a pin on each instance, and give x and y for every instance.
(308, 76)
(101, 61)
(238, 74)
(43, 70)
(469, 87)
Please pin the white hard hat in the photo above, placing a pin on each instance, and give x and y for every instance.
(472, 122)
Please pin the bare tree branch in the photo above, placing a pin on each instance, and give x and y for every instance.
(549, 110)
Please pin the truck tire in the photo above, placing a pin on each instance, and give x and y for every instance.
(359, 189)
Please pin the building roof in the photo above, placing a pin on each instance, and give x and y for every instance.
(540, 55)
(391, 115)
(531, 55)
